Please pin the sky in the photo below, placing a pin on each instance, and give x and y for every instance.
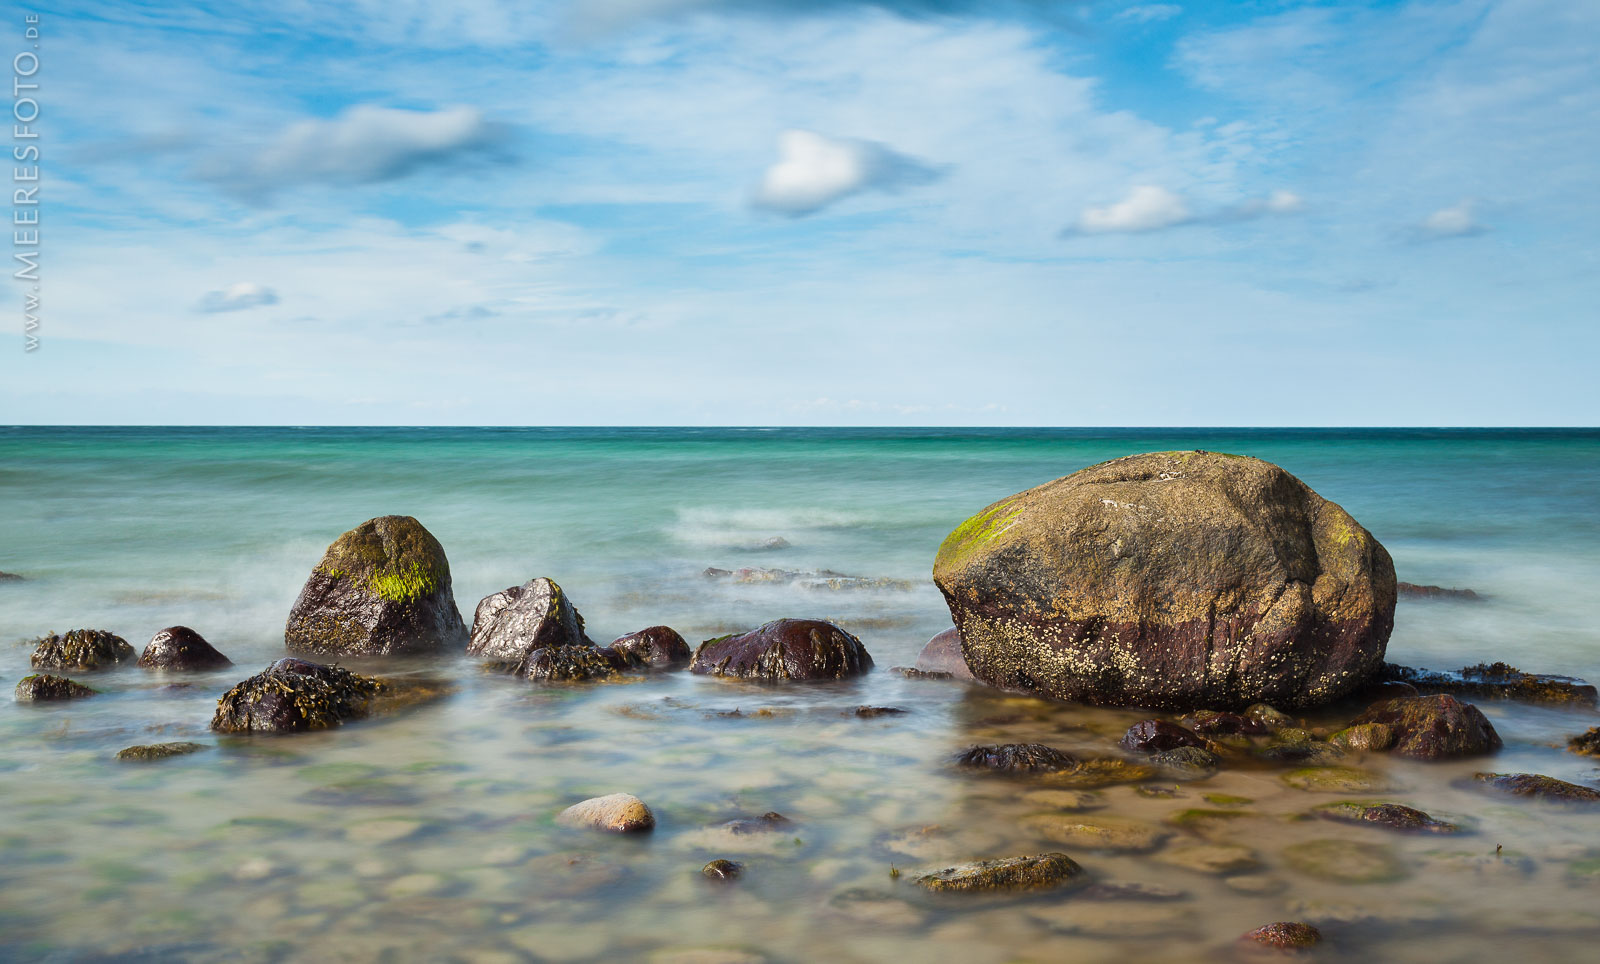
(812, 212)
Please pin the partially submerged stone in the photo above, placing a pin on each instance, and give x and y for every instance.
(659, 646)
(1394, 816)
(1344, 861)
(1035, 872)
(1100, 772)
(1209, 823)
(1216, 859)
(873, 712)
(1372, 737)
(1114, 834)
(1153, 736)
(158, 751)
(1336, 780)
(42, 687)
(1285, 935)
(81, 649)
(1434, 727)
(1495, 681)
(1170, 579)
(1187, 762)
(294, 695)
(1268, 716)
(1587, 743)
(179, 647)
(784, 650)
(1217, 723)
(1537, 786)
(514, 622)
(613, 813)
(10, 577)
(569, 664)
(722, 870)
(1016, 758)
(381, 589)
(942, 654)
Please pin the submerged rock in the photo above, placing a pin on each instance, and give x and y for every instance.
(1116, 834)
(1495, 681)
(570, 664)
(1036, 872)
(1170, 579)
(82, 649)
(1433, 727)
(873, 712)
(10, 577)
(1016, 758)
(294, 695)
(158, 751)
(1587, 743)
(516, 621)
(722, 870)
(1101, 772)
(613, 813)
(1211, 858)
(784, 650)
(1375, 737)
(179, 647)
(1345, 861)
(1285, 935)
(41, 687)
(1188, 762)
(1215, 723)
(911, 672)
(1537, 786)
(942, 654)
(1153, 736)
(1390, 815)
(655, 646)
(1435, 592)
(381, 589)
(1336, 780)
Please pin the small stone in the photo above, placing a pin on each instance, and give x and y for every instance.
(1103, 772)
(415, 885)
(1366, 737)
(255, 868)
(159, 751)
(1268, 717)
(722, 870)
(181, 648)
(1188, 762)
(871, 712)
(1390, 815)
(1153, 736)
(1586, 743)
(615, 813)
(1036, 872)
(1258, 885)
(383, 830)
(1214, 723)
(1208, 823)
(1344, 861)
(42, 687)
(1537, 786)
(1208, 858)
(1115, 834)
(1016, 758)
(660, 646)
(1286, 935)
(83, 649)
(1335, 780)
(911, 672)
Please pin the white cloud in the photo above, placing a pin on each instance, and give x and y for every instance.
(1150, 12)
(1146, 208)
(362, 145)
(237, 297)
(813, 171)
(1456, 221)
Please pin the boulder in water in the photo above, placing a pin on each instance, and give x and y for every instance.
(381, 589)
(512, 623)
(614, 813)
(293, 695)
(179, 647)
(1035, 872)
(655, 646)
(784, 650)
(84, 649)
(1172, 579)
(41, 687)
(1433, 727)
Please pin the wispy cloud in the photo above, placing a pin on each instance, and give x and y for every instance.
(236, 297)
(1150, 12)
(1150, 207)
(1459, 220)
(601, 16)
(813, 171)
(362, 145)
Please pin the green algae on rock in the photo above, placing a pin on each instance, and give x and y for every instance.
(381, 589)
(1035, 872)
(1433, 727)
(1115, 834)
(42, 688)
(294, 695)
(1345, 861)
(81, 649)
(1336, 780)
(1171, 579)
(158, 751)
(1375, 737)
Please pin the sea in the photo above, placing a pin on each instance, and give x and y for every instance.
(430, 834)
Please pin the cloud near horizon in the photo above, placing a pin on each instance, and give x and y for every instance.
(363, 144)
(814, 171)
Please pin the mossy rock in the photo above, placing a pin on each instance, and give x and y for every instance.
(382, 588)
(1035, 872)
(1209, 823)
(1434, 727)
(1016, 758)
(1101, 772)
(1366, 737)
(1345, 862)
(1587, 743)
(43, 688)
(1226, 800)
(1393, 816)
(81, 649)
(1174, 580)
(159, 751)
(294, 695)
(1187, 762)
(1336, 780)
(1115, 834)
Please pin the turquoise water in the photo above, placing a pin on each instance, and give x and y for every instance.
(265, 849)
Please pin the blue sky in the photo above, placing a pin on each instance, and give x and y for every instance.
(770, 212)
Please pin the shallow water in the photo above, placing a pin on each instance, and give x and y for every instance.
(430, 834)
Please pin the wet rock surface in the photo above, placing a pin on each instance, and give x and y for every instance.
(1587, 743)
(81, 649)
(570, 664)
(1393, 816)
(1336, 780)
(514, 622)
(1036, 872)
(158, 751)
(784, 650)
(1217, 723)
(382, 588)
(1153, 736)
(1537, 786)
(1365, 737)
(43, 688)
(1187, 762)
(1016, 758)
(1104, 587)
(1495, 681)
(942, 654)
(181, 648)
(294, 695)
(722, 870)
(1285, 935)
(873, 712)
(658, 646)
(1433, 727)
(613, 813)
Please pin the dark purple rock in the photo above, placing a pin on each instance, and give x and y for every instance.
(42, 688)
(81, 649)
(784, 650)
(1213, 723)
(512, 623)
(942, 654)
(655, 646)
(1433, 727)
(573, 664)
(1154, 736)
(294, 695)
(1537, 786)
(179, 647)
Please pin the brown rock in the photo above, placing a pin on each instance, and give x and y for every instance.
(655, 646)
(1433, 727)
(1037, 872)
(722, 870)
(1154, 736)
(942, 654)
(1285, 935)
(784, 650)
(1172, 579)
(1496, 681)
(42, 688)
(84, 649)
(1587, 743)
(1017, 758)
(179, 647)
(614, 813)
(1537, 786)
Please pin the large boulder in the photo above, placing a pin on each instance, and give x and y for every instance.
(784, 650)
(381, 589)
(179, 647)
(1171, 579)
(81, 649)
(514, 622)
(1434, 727)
